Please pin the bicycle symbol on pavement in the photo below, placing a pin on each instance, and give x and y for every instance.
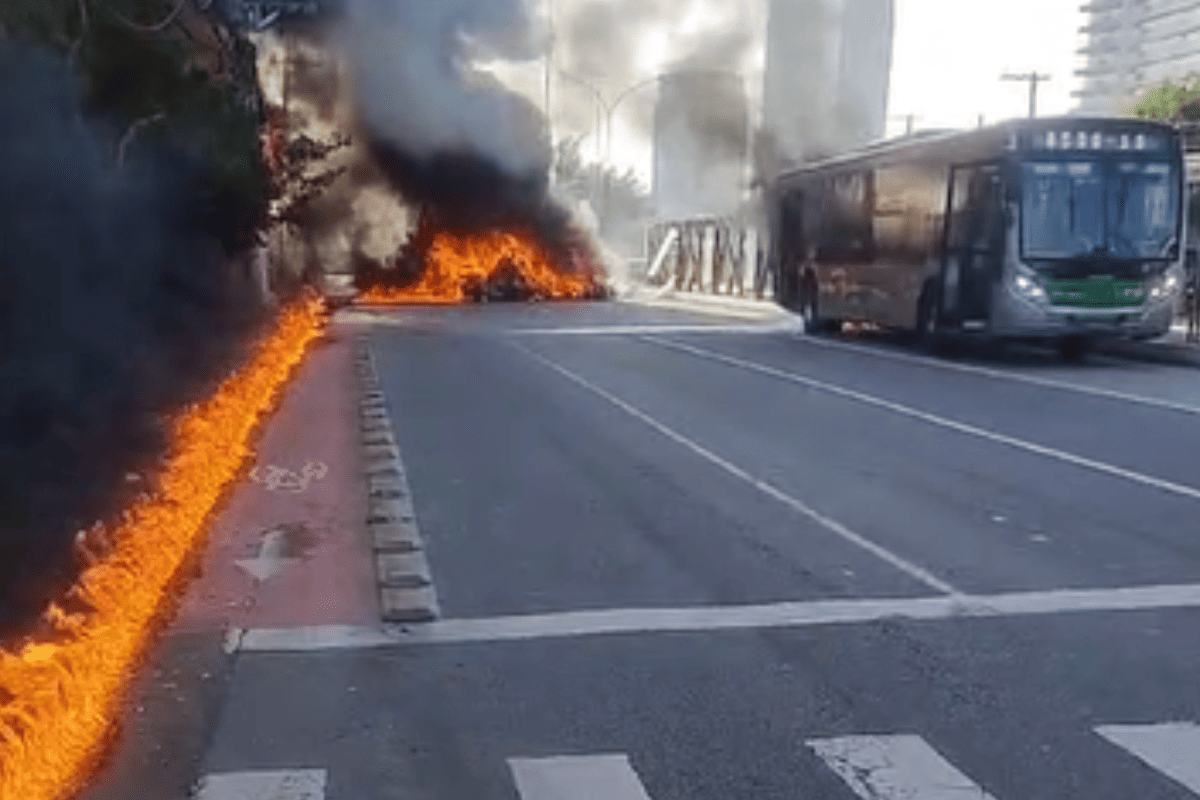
(279, 479)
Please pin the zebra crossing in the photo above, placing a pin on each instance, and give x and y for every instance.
(872, 767)
(877, 767)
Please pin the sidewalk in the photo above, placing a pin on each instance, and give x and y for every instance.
(289, 548)
(718, 304)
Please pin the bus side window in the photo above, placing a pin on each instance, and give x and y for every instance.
(959, 223)
(792, 233)
(846, 234)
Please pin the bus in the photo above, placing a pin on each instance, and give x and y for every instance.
(1063, 230)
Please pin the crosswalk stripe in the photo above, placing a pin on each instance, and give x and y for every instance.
(295, 784)
(591, 777)
(900, 767)
(1172, 748)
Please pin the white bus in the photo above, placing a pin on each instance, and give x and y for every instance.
(1061, 229)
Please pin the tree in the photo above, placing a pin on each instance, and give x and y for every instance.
(619, 199)
(162, 74)
(1173, 102)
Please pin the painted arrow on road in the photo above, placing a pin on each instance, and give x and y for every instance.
(271, 560)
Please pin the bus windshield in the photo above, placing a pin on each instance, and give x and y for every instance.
(1120, 209)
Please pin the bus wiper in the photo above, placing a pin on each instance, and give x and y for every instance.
(1100, 250)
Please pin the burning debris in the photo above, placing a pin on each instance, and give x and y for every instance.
(482, 235)
(471, 155)
(440, 265)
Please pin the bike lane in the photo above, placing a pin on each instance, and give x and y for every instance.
(288, 548)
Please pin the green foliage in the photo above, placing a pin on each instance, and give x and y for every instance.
(155, 79)
(1173, 102)
(619, 197)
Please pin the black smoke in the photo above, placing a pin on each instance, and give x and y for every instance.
(117, 305)
(470, 154)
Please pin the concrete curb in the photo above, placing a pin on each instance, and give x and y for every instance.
(720, 305)
(405, 584)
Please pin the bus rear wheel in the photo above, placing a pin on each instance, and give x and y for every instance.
(930, 336)
(808, 307)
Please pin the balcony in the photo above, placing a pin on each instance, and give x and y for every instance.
(1179, 9)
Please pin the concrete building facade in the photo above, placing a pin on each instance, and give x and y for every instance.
(1133, 45)
(824, 89)
(828, 67)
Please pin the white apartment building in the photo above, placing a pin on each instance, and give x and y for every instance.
(1134, 45)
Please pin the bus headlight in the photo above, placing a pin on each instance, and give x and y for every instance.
(1026, 286)
(1165, 286)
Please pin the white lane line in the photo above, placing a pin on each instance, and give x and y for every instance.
(1171, 487)
(901, 767)
(804, 614)
(1172, 748)
(627, 330)
(904, 565)
(297, 784)
(592, 777)
(1002, 375)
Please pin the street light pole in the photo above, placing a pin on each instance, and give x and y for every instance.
(1033, 78)
(601, 107)
(549, 75)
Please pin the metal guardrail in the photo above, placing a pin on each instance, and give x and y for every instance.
(712, 255)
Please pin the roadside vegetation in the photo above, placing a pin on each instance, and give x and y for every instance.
(131, 191)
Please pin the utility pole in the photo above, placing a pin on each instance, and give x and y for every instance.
(909, 122)
(1033, 78)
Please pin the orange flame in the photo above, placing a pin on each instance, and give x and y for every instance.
(454, 263)
(58, 697)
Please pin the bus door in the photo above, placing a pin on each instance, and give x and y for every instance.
(791, 247)
(975, 245)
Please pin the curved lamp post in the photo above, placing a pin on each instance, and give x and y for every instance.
(610, 110)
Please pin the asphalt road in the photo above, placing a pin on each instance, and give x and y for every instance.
(818, 569)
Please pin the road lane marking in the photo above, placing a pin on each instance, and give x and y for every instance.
(1111, 470)
(988, 372)
(1172, 748)
(900, 767)
(701, 619)
(628, 330)
(591, 777)
(297, 784)
(899, 562)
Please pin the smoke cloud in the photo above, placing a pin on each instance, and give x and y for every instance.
(417, 88)
(449, 137)
(115, 307)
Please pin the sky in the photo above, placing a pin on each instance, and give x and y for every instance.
(947, 59)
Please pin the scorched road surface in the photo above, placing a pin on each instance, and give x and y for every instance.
(685, 557)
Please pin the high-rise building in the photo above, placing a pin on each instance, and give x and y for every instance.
(1133, 45)
(824, 90)
(825, 87)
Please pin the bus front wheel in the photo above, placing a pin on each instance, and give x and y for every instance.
(1073, 348)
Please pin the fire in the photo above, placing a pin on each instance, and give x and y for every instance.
(457, 267)
(58, 695)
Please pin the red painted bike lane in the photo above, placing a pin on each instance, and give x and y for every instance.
(289, 548)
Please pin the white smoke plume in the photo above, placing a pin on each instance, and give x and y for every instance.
(416, 85)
